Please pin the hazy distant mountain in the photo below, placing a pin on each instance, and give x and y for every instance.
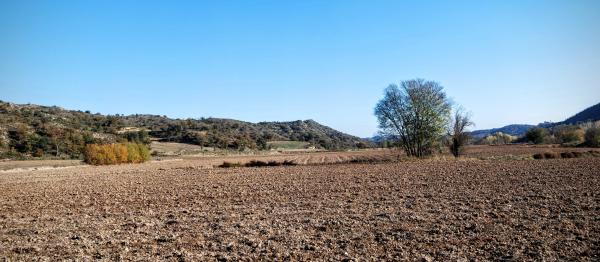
(590, 114)
(513, 130)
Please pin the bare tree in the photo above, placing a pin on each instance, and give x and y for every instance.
(416, 113)
(458, 135)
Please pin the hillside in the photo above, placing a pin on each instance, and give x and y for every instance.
(513, 130)
(590, 114)
(30, 129)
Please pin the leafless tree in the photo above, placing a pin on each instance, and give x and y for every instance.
(457, 134)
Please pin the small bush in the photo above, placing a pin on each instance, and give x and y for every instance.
(38, 153)
(592, 137)
(110, 154)
(546, 155)
(574, 154)
(567, 155)
(258, 163)
(289, 163)
(229, 164)
(594, 153)
(551, 155)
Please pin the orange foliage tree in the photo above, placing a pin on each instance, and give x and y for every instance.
(110, 154)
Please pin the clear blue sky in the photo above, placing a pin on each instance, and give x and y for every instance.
(505, 61)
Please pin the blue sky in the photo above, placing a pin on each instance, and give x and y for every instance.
(505, 61)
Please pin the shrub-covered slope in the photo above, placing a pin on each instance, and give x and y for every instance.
(42, 130)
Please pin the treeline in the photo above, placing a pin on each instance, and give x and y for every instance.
(583, 134)
(50, 132)
(45, 140)
(586, 134)
(498, 138)
(119, 153)
(51, 141)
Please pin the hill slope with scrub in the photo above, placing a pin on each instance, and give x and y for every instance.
(35, 130)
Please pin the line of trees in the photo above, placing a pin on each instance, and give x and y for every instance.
(47, 140)
(497, 138)
(585, 134)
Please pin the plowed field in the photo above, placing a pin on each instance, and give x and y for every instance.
(423, 210)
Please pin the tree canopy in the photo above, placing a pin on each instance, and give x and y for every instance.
(416, 112)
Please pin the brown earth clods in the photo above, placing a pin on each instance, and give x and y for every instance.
(443, 210)
(503, 151)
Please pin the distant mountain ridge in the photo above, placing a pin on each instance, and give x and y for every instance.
(591, 113)
(513, 130)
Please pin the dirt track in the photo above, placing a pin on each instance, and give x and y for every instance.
(416, 210)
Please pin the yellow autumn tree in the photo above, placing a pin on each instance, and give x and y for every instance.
(110, 154)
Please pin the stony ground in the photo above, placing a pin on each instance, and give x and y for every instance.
(443, 210)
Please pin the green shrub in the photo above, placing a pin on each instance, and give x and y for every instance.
(592, 137)
(574, 154)
(144, 152)
(133, 154)
(536, 135)
(594, 153)
(11, 154)
(568, 135)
